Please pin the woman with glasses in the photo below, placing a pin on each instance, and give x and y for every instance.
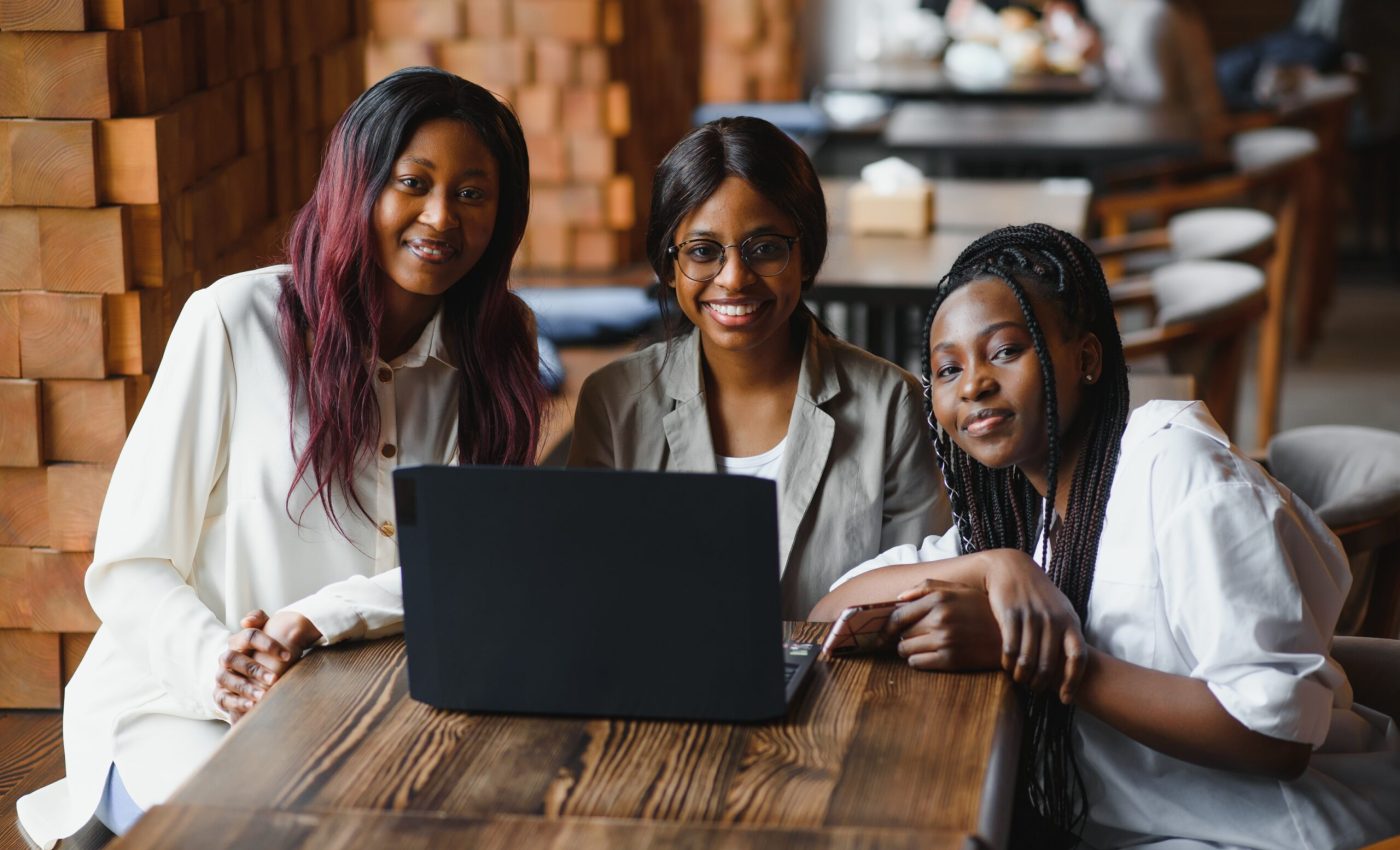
(758, 386)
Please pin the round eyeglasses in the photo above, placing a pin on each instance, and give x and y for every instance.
(701, 260)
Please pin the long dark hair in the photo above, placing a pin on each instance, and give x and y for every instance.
(998, 508)
(333, 300)
(756, 152)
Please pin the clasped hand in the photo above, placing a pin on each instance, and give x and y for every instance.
(1019, 622)
(258, 655)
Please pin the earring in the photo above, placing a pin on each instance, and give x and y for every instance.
(1088, 379)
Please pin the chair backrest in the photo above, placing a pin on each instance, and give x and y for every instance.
(1202, 313)
(1351, 477)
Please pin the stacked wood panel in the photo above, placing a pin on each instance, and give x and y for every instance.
(751, 51)
(603, 88)
(147, 147)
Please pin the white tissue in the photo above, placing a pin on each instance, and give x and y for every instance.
(890, 175)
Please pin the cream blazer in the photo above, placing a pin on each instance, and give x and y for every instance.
(857, 476)
(196, 531)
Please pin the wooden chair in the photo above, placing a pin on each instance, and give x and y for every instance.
(1388, 844)
(1201, 330)
(1351, 477)
(1195, 215)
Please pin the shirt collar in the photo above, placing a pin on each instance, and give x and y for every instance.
(1159, 414)
(818, 381)
(430, 344)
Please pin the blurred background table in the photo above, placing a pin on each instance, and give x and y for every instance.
(877, 287)
(873, 753)
(931, 81)
(1065, 138)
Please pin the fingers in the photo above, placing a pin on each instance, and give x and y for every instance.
(921, 589)
(254, 619)
(242, 665)
(1051, 661)
(1010, 622)
(1076, 663)
(1028, 656)
(240, 687)
(252, 640)
(236, 706)
(909, 613)
(939, 659)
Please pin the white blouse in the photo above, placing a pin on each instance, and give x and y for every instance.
(197, 530)
(1209, 568)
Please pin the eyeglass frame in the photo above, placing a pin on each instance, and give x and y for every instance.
(674, 252)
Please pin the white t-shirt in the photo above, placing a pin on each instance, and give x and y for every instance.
(197, 530)
(766, 465)
(1209, 568)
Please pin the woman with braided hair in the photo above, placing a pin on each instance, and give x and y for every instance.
(1199, 706)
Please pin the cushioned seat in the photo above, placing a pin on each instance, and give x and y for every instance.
(583, 315)
(1351, 477)
(1348, 474)
(1255, 150)
(1218, 233)
(1196, 290)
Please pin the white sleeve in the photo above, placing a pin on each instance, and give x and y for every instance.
(934, 548)
(154, 512)
(1251, 597)
(355, 608)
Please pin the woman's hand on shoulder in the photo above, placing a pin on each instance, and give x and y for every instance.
(946, 626)
(1042, 640)
(258, 655)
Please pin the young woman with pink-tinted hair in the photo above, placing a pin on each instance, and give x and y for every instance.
(258, 474)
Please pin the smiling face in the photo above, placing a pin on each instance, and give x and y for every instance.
(987, 383)
(434, 218)
(739, 310)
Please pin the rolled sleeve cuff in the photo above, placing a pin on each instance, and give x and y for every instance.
(355, 608)
(1277, 704)
(335, 619)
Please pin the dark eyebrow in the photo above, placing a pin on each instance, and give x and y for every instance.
(985, 332)
(761, 230)
(428, 164)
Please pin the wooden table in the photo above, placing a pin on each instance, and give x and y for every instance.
(873, 754)
(1085, 136)
(928, 80)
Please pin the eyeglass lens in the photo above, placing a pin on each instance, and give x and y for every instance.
(765, 254)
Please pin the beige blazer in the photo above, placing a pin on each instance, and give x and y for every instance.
(857, 475)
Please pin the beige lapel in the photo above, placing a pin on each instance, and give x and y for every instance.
(687, 426)
(810, 434)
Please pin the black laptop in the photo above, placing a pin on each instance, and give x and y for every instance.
(594, 593)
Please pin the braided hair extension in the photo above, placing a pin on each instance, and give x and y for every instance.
(998, 508)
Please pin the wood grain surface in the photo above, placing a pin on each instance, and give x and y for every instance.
(9, 334)
(87, 421)
(869, 744)
(76, 491)
(50, 163)
(58, 599)
(212, 828)
(32, 665)
(24, 506)
(21, 431)
(62, 335)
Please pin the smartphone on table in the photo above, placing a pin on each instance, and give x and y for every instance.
(860, 628)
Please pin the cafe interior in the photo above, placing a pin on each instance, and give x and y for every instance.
(1234, 167)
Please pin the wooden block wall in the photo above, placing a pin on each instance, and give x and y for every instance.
(751, 51)
(147, 148)
(583, 77)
